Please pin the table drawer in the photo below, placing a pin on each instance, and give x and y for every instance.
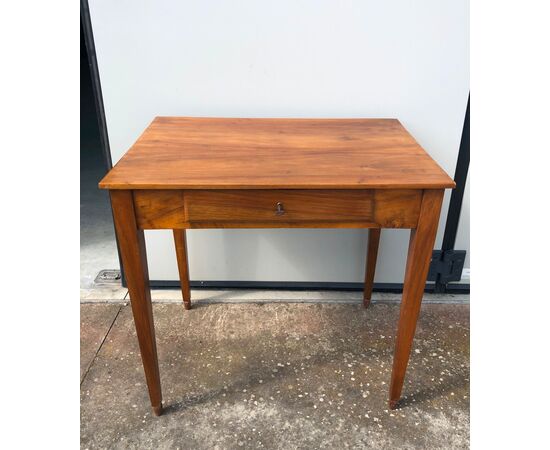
(279, 205)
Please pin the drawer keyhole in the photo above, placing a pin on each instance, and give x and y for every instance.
(280, 209)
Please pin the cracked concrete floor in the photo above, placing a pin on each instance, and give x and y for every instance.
(278, 375)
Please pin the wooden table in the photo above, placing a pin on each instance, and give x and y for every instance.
(185, 173)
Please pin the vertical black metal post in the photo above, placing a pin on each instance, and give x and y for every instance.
(455, 205)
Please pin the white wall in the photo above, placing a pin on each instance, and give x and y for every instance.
(285, 58)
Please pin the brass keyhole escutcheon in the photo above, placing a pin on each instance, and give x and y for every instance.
(280, 209)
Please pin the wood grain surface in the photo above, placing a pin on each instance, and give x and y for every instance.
(277, 208)
(419, 256)
(282, 205)
(180, 241)
(370, 267)
(215, 153)
(134, 260)
(159, 209)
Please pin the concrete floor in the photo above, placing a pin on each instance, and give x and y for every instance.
(275, 375)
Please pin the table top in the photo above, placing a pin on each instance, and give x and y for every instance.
(224, 153)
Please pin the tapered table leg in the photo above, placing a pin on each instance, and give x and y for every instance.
(134, 260)
(180, 239)
(418, 262)
(372, 253)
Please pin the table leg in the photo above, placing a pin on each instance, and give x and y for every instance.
(180, 240)
(418, 261)
(372, 253)
(134, 260)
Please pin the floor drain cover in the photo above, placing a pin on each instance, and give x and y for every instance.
(107, 277)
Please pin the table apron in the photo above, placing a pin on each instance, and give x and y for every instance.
(277, 208)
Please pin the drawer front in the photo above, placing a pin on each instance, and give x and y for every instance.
(279, 205)
(166, 209)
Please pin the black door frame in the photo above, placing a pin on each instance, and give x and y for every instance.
(451, 226)
(86, 24)
(96, 83)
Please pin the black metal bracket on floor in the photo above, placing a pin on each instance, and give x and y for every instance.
(446, 266)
